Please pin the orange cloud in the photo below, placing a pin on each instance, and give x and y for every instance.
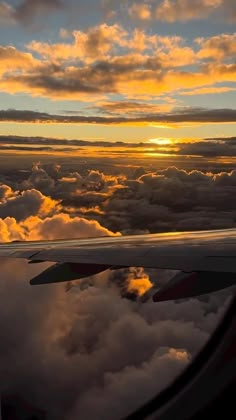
(217, 47)
(29, 202)
(109, 60)
(138, 281)
(12, 60)
(182, 10)
(171, 119)
(63, 226)
(92, 45)
(140, 11)
(55, 227)
(139, 286)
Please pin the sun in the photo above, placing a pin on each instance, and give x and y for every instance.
(161, 141)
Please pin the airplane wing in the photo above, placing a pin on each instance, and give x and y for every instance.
(206, 259)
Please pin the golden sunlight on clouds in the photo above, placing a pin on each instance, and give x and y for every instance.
(140, 11)
(139, 286)
(182, 10)
(108, 59)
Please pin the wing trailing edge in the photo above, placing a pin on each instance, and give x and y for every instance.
(63, 272)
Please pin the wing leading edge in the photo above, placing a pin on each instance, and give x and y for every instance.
(207, 259)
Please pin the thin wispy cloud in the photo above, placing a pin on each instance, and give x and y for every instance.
(194, 115)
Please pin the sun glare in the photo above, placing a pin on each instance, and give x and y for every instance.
(161, 141)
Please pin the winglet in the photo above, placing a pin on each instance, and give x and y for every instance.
(185, 285)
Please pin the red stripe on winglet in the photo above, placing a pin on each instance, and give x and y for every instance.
(181, 289)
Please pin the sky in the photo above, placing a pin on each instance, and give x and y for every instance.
(120, 71)
(115, 118)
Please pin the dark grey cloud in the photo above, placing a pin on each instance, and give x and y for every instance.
(203, 148)
(209, 150)
(137, 201)
(174, 199)
(197, 115)
(93, 67)
(35, 149)
(163, 200)
(124, 107)
(91, 353)
(28, 203)
(208, 147)
(79, 81)
(46, 141)
(27, 10)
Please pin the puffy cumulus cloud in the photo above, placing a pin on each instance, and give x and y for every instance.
(88, 46)
(91, 186)
(12, 59)
(27, 10)
(10, 230)
(40, 178)
(29, 214)
(5, 192)
(91, 353)
(139, 285)
(107, 59)
(73, 189)
(27, 203)
(182, 10)
(140, 382)
(140, 11)
(63, 226)
(133, 283)
(26, 226)
(174, 10)
(173, 199)
(98, 181)
(218, 47)
(101, 42)
(137, 201)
